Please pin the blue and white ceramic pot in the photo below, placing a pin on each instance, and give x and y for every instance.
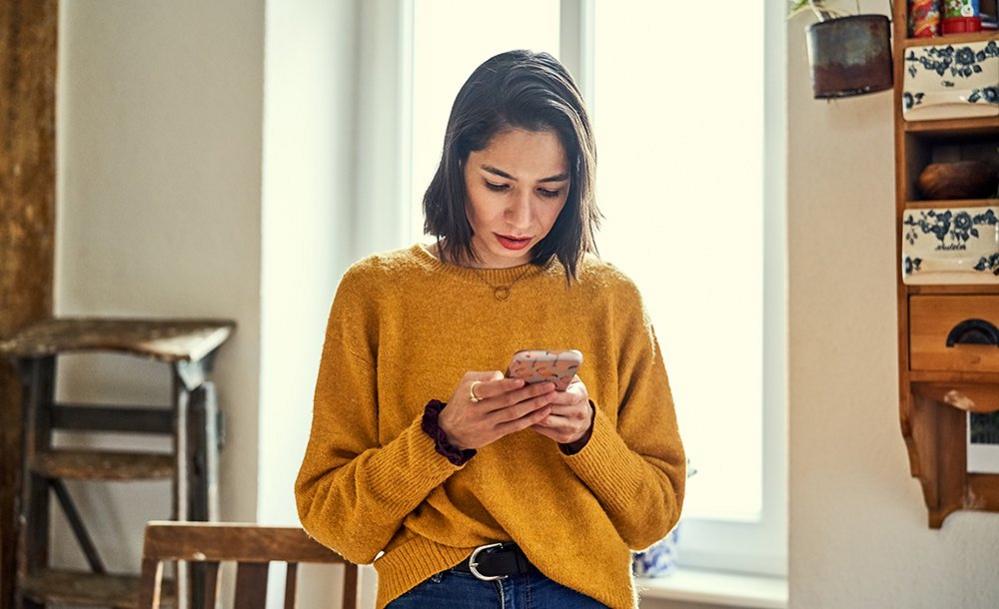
(659, 559)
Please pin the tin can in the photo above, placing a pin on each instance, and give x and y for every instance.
(924, 18)
(961, 16)
(961, 8)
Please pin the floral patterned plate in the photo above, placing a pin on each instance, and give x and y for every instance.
(951, 81)
(951, 245)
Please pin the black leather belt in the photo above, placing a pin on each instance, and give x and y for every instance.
(496, 561)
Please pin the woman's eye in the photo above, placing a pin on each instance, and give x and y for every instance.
(550, 194)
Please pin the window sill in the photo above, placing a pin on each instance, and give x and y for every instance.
(716, 587)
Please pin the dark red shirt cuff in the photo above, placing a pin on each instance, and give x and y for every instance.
(430, 425)
(572, 448)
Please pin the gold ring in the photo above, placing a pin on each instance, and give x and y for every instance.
(471, 392)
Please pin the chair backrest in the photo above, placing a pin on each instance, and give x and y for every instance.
(252, 547)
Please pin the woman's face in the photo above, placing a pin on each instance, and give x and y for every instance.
(516, 187)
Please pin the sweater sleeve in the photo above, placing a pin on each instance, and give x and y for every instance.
(352, 493)
(637, 468)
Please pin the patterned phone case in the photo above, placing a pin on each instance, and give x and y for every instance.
(537, 365)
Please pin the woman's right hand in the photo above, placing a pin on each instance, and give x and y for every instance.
(506, 405)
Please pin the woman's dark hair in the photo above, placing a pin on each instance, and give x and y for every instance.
(530, 91)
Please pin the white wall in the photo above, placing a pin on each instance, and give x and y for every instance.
(858, 532)
(158, 194)
(309, 167)
(307, 195)
(334, 166)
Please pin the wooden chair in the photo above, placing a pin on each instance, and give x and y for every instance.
(251, 546)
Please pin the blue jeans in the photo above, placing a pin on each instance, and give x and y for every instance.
(459, 590)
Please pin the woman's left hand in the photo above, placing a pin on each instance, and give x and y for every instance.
(571, 415)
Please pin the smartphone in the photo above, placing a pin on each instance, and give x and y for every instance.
(539, 365)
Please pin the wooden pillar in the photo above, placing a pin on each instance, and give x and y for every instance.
(28, 47)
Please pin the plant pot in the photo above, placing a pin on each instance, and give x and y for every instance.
(850, 56)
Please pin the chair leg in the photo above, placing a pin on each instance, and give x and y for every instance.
(210, 447)
(33, 510)
(151, 584)
(202, 474)
(197, 491)
(11, 456)
(180, 510)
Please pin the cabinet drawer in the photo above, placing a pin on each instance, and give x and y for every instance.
(967, 323)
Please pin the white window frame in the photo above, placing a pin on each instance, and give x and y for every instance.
(753, 547)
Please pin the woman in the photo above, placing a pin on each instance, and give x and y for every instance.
(505, 492)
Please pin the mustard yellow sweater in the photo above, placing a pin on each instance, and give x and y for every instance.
(403, 329)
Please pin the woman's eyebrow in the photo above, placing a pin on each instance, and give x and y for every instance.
(556, 178)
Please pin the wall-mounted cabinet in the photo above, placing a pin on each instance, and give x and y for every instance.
(947, 229)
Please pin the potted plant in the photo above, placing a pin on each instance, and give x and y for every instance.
(659, 559)
(848, 54)
(820, 8)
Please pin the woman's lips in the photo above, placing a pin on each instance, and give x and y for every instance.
(512, 244)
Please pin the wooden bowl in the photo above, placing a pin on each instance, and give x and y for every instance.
(960, 180)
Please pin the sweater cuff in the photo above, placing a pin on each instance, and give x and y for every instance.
(607, 465)
(406, 469)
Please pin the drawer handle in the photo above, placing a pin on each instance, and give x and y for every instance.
(973, 332)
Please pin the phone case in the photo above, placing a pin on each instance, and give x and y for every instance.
(538, 365)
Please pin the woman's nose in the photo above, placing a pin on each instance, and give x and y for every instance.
(519, 214)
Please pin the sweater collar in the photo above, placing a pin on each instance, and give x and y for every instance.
(494, 276)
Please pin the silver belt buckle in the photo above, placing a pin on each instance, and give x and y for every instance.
(472, 564)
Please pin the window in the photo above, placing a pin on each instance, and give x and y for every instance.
(678, 113)
(686, 169)
(680, 142)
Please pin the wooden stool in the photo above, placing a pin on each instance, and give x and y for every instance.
(192, 420)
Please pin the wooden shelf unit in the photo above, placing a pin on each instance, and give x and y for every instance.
(934, 403)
